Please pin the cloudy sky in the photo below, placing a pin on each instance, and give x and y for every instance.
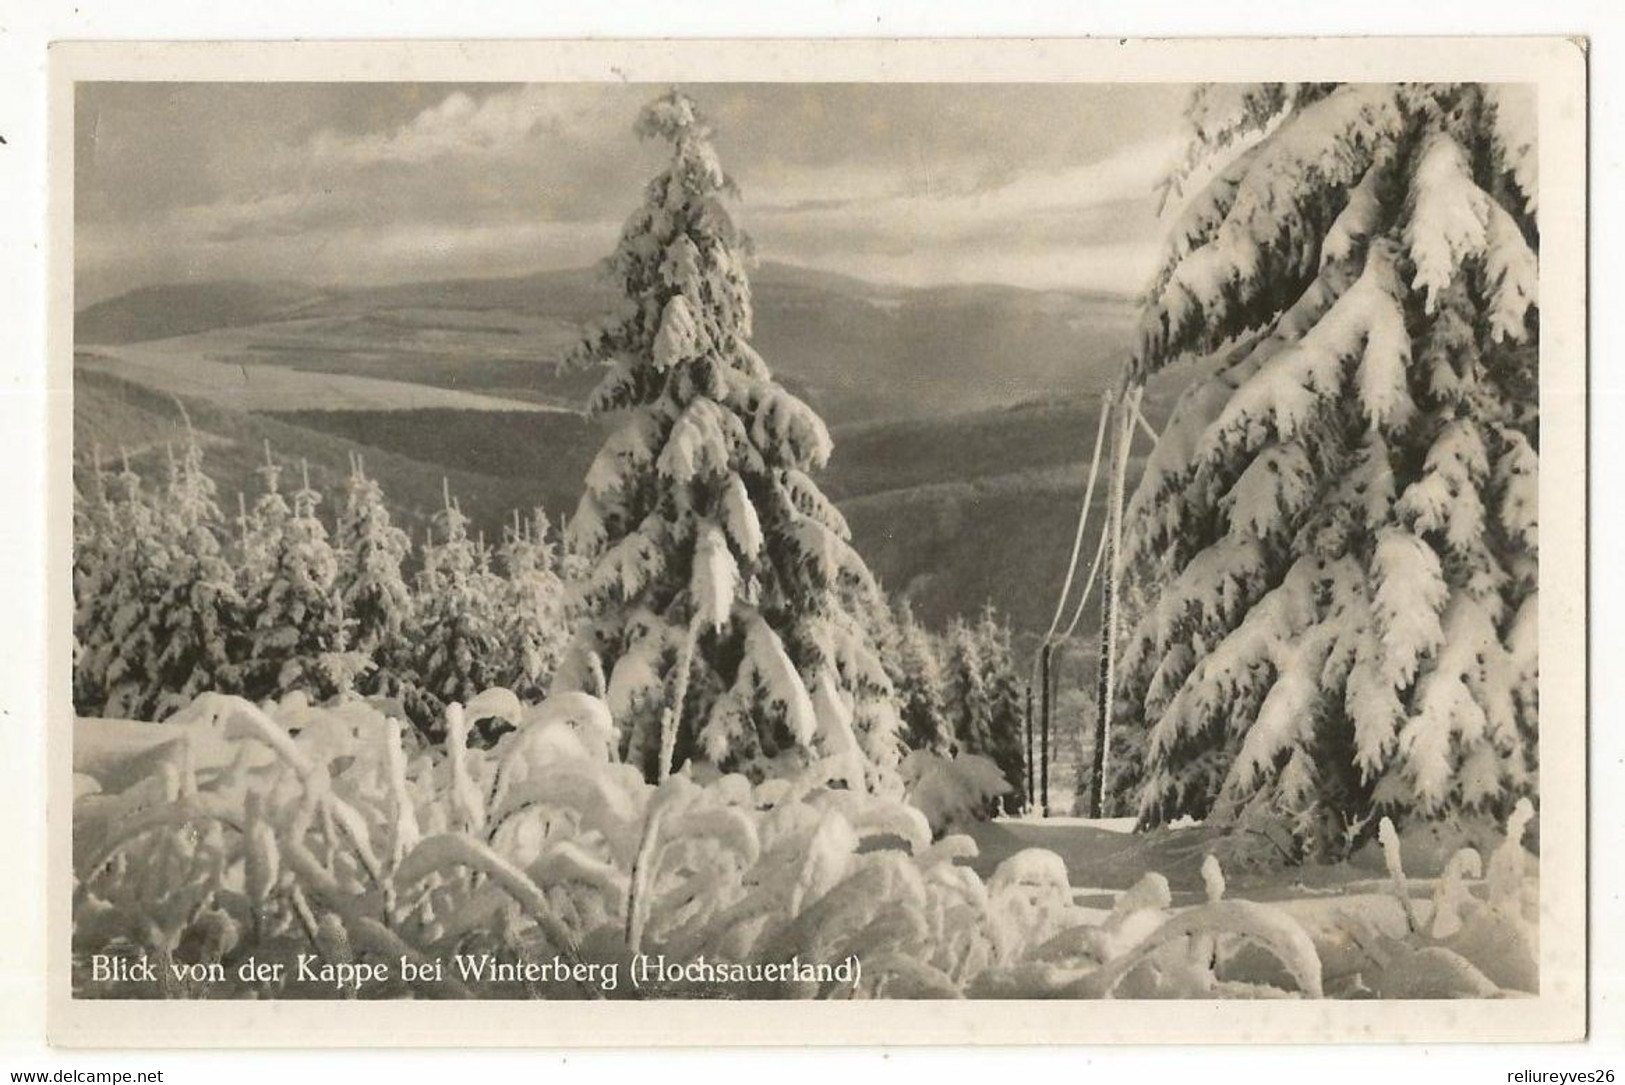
(1034, 185)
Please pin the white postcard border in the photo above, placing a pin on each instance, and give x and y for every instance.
(1557, 66)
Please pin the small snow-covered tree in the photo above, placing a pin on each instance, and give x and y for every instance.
(122, 582)
(458, 625)
(298, 640)
(533, 630)
(259, 533)
(969, 706)
(915, 664)
(723, 600)
(199, 608)
(1336, 534)
(1001, 682)
(378, 605)
(98, 550)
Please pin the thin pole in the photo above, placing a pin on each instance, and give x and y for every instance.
(1043, 734)
(1103, 683)
(1048, 643)
(1028, 728)
(1108, 604)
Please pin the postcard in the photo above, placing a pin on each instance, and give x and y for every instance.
(839, 542)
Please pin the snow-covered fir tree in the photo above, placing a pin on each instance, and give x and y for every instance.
(458, 626)
(533, 629)
(1336, 535)
(914, 661)
(378, 604)
(122, 569)
(259, 532)
(200, 609)
(298, 639)
(127, 650)
(98, 552)
(968, 706)
(724, 599)
(1002, 687)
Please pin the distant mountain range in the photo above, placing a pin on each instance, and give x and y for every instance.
(858, 350)
(962, 415)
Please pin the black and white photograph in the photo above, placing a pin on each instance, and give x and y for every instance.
(916, 540)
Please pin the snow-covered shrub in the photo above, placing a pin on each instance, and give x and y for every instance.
(952, 792)
(1335, 538)
(722, 603)
(1476, 934)
(234, 830)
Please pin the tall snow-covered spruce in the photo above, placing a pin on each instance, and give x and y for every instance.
(723, 605)
(1335, 541)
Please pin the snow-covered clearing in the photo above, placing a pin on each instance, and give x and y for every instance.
(1104, 857)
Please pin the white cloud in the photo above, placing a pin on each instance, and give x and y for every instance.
(1092, 227)
(954, 195)
(540, 176)
(461, 125)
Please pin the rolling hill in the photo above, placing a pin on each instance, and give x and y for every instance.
(165, 311)
(953, 512)
(856, 350)
(113, 416)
